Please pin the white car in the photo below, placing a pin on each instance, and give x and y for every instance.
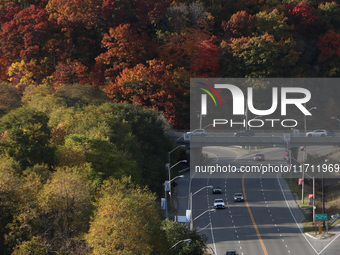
(219, 203)
(200, 132)
(317, 133)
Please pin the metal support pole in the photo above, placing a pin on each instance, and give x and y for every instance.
(166, 201)
(314, 200)
(191, 216)
(303, 175)
(323, 202)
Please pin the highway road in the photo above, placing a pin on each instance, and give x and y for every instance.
(266, 223)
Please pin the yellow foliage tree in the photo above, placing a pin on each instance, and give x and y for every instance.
(126, 221)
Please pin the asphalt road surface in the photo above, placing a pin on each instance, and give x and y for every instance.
(268, 222)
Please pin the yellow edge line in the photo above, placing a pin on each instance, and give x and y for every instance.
(252, 217)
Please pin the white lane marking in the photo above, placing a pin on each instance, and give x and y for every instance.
(290, 210)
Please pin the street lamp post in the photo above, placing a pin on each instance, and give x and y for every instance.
(165, 189)
(313, 178)
(185, 240)
(190, 197)
(169, 168)
(323, 197)
(209, 210)
(305, 123)
(334, 118)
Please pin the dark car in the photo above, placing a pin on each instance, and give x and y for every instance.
(231, 252)
(330, 133)
(247, 132)
(259, 157)
(216, 190)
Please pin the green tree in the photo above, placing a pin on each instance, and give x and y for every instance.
(176, 232)
(105, 159)
(274, 23)
(329, 13)
(35, 246)
(9, 188)
(260, 56)
(65, 204)
(126, 221)
(42, 98)
(26, 223)
(27, 136)
(78, 95)
(9, 98)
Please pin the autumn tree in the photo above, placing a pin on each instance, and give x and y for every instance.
(141, 14)
(240, 24)
(35, 246)
(65, 205)
(329, 44)
(25, 223)
(73, 12)
(69, 72)
(23, 37)
(126, 221)
(125, 47)
(301, 15)
(329, 58)
(274, 23)
(205, 62)
(260, 56)
(152, 85)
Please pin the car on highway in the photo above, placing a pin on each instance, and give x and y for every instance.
(259, 157)
(238, 197)
(231, 252)
(217, 190)
(247, 132)
(199, 132)
(317, 133)
(219, 203)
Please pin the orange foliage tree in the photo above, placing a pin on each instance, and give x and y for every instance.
(153, 85)
(125, 48)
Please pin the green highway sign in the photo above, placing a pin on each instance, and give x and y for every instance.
(320, 216)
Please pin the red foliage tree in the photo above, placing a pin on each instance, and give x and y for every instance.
(301, 16)
(153, 85)
(206, 62)
(69, 73)
(139, 13)
(240, 24)
(329, 44)
(23, 37)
